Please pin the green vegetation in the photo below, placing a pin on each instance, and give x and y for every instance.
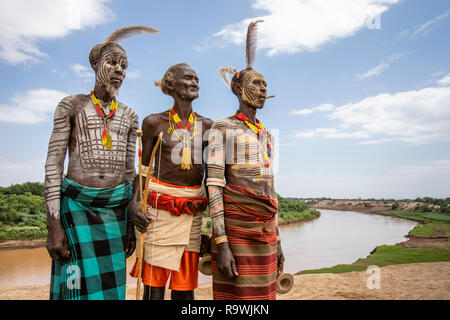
(294, 211)
(422, 217)
(426, 204)
(432, 229)
(389, 255)
(22, 211)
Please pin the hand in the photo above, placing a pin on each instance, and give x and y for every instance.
(225, 261)
(130, 240)
(137, 217)
(280, 257)
(57, 245)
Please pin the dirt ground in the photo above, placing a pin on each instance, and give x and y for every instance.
(416, 281)
(365, 206)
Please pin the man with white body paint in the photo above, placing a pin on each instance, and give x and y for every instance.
(90, 229)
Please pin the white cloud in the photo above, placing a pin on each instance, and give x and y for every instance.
(415, 117)
(133, 74)
(82, 71)
(322, 108)
(436, 167)
(23, 23)
(297, 25)
(381, 67)
(12, 172)
(374, 71)
(426, 28)
(301, 112)
(33, 106)
(445, 81)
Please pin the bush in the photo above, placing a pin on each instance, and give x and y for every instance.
(423, 208)
(444, 208)
(23, 232)
(34, 188)
(394, 206)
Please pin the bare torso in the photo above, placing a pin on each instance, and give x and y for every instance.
(78, 127)
(244, 165)
(167, 162)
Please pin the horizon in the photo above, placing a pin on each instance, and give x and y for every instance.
(301, 198)
(362, 106)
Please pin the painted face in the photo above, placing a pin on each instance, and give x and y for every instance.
(254, 89)
(111, 69)
(186, 83)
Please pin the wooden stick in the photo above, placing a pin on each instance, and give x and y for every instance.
(141, 236)
(144, 209)
(150, 165)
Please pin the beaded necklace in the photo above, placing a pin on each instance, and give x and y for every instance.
(259, 129)
(186, 160)
(106, 133)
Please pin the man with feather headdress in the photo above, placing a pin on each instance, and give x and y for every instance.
(90, 231)
(246, 248)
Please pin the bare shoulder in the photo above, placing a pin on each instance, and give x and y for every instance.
(128, 111)
(224, 123)
(74, 100)
(154, 120)
(70, 105)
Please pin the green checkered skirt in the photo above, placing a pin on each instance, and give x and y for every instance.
(95, 223)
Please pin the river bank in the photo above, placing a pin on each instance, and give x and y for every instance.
(22, 244)
(417, 281)
(427, 242)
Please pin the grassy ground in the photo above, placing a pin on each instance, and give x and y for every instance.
(389, 255)
(429, 244)
(422, 217)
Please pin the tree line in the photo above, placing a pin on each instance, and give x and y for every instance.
(22, 211)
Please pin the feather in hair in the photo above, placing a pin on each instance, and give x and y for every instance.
(224, 71)
(251, 43)
(126, 32)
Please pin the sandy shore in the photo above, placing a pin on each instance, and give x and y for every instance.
(22, 244)
(416, 281)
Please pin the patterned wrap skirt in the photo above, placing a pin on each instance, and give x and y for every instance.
(95, 223)
(250, 224)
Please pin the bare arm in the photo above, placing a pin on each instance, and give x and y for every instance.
(136, 215)
(131, 149)
(54, 167)
(215, 182)
(215, 179)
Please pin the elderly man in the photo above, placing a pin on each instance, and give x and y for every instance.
(177, 199)
(89, 235)
(246, 248)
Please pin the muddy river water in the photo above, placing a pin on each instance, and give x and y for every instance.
(337, 237)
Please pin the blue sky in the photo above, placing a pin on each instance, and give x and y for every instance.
(362, 87)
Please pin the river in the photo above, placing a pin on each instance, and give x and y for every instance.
(336, 237)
